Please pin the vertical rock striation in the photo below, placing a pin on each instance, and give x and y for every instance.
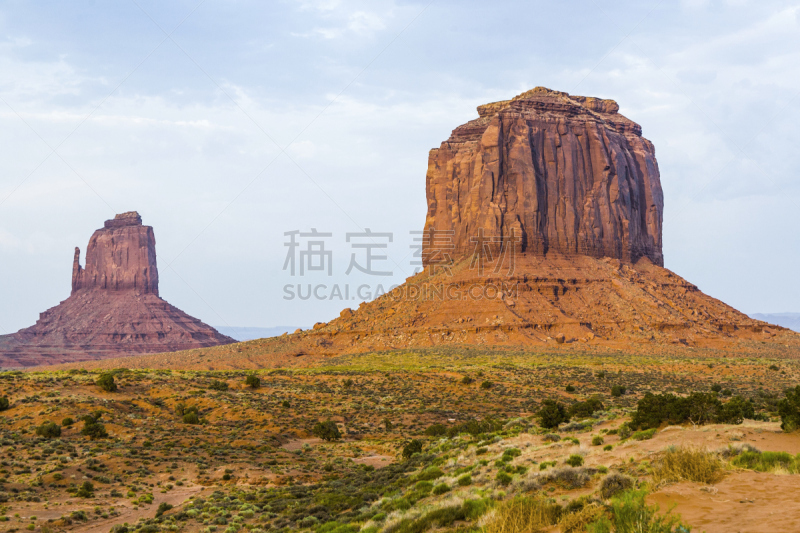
(546, 172)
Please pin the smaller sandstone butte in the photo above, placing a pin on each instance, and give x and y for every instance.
(550, 172)
(114, 309)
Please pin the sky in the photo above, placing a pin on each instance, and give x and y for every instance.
(228, 125)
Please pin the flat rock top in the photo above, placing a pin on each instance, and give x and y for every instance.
(131, 218)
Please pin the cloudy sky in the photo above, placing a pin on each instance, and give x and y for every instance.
(228, 123)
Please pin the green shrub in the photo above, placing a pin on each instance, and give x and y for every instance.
(608, 448)
(218, 385)
(768, 461)
(617, 391)
(92, 427)
(49, 430)
(67, 422)
(285, 403)
(466, 380)
(327, 431)
(4, 403)
(486, 385)
(716, 388)
(86, 490)
(429, 474)
(630, 514)
(646, 434)
(735, 410)
(597, 440)
(503, 478)
(570, 388)
(106, 382)
(252, 381)
(411, 447)
(191, 418)
(436, 430)
(465, 480)
(551, 414)
(574, 460)
(698, 408)
(475, 427)
(789, 410)
(441, 488)
(585, 409)
(163, 508)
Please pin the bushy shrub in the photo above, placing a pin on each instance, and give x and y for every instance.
(569, 388)
(163, 508)
(475, 427)
(411, 447)
(503, 478)
(768, 461)
(465, 480)
(92, 427)
(67, 422)
(698, 408)
(716, 387)
(687, 464)
(630, 513)
(441, 488)
(789, 410)
(585, 409)
(735, 410)
(597, 440)
(645, 434)
(613, 484)
(486, 385)
(436, 430)
(49, 430)
(218, 385)
(106, 382)
(191, 418)
(430, 473)
(574, 460)
(617, 391)
(86, 490)
(252, 381)
(4, 403)
(466, 380)
(327, 431)
(551, 414)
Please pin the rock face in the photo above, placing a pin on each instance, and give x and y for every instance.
(545, 172)
(121, 256)
(114, 308)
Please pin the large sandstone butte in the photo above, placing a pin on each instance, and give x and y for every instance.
(114, 308)
(543, 226)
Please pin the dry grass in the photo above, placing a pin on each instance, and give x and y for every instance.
(688, 464)
(524, 515)
(576, 522)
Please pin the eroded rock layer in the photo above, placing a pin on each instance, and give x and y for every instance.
(114, 308)
(545, 172)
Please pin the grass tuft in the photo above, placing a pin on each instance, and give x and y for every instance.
(687, 464)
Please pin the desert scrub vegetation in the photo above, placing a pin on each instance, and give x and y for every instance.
(687, 463)
(773, 462)
(629, 513)
(698, 408)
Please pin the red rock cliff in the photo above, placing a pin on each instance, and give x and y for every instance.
(120, 256)
(546, 171)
